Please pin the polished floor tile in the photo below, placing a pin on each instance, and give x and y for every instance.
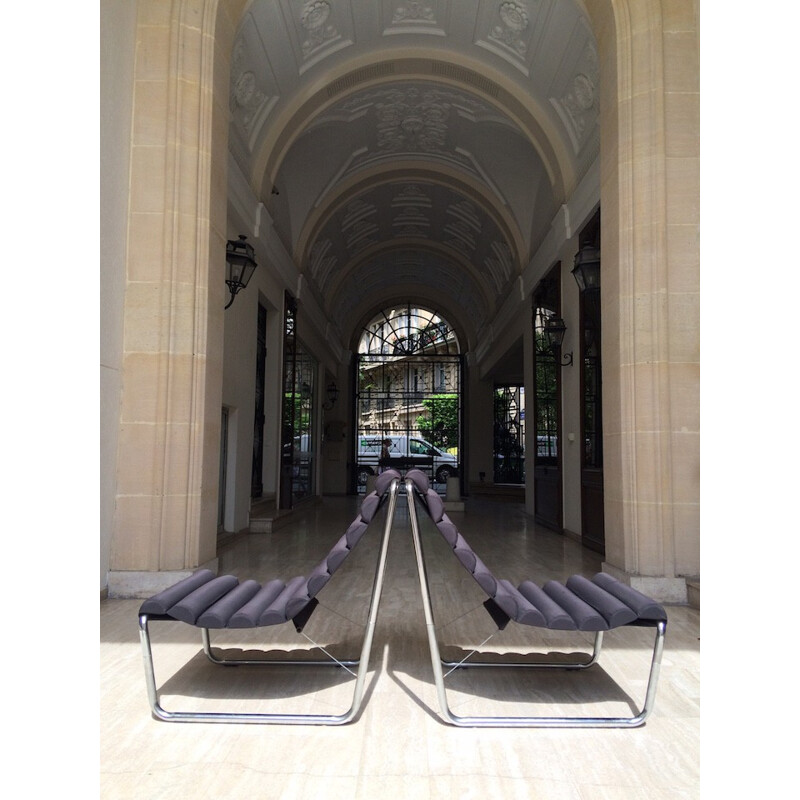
(398, 747)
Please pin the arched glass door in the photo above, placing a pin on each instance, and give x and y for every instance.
(408, 396)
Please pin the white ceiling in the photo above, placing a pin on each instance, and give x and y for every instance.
(413, 148)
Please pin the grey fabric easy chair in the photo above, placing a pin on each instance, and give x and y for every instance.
(595, 605)
(210, 602)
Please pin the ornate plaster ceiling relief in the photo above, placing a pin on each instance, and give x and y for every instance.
(411, 196)
(412, 120)
(411, 205)
(320, 32)
(358, 230)
(513, 22)
(249, 105)
(415, 10)
(322, 262)
(464, 227)
(413, 16)
(578, 105)
(314, 17)
(499, 264)
(510, 33)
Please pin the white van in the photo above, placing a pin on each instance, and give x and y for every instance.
(412, 450)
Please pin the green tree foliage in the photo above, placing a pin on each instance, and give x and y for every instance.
(439, 423)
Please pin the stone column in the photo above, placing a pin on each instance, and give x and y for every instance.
(650, 289)
(165, 517)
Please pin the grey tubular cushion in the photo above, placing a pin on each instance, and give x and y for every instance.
(435, 505)
(586, 618)
(194, 604)
(275, 613)
(219, 614)
(161, 602)
(369, 507)
(208, 601)
(614, 611)
(317, 579)
(248, 615)
(337, 555)
(555, 616)
(384, 479)
(449, 531)
(597, 605)
(465, 554)
(420, 480)
(296, 603)
(517, 606)
(354, 533)
(644, 606)
(485, 578)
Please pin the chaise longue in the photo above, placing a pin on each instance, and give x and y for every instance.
(210, 602)
(579, 604)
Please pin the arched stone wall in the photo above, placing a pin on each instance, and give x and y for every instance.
(171, 363)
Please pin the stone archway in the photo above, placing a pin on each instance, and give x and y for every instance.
(172, 360)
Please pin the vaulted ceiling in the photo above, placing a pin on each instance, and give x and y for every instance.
(413, 148)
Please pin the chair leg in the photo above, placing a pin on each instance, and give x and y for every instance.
(521, 721)
(274, 718)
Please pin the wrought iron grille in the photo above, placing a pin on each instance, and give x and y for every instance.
(509, 434)
(546, 399)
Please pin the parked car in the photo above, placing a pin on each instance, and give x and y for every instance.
(410, 451)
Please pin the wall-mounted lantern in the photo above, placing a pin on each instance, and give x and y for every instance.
(240, 257)
(587, 268)
(333, 393)
(554, 330)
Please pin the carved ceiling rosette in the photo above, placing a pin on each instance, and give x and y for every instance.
(412, 120)
(513, 21)
(578, 106)
(314, 18)
(245, 97)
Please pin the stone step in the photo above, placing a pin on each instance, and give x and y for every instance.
(693, 593)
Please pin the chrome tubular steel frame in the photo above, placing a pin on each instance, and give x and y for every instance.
(285, 719)
(521, 721)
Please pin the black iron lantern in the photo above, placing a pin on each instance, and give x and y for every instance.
(333, 394)
(587, 268)
(554, 330)
(241, 260)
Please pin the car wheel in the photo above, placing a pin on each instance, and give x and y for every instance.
(363, 473)
(443, 473)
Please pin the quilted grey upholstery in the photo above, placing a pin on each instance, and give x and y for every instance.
(599, 604)
(210, 601)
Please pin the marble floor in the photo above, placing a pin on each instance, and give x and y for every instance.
(398, 746)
